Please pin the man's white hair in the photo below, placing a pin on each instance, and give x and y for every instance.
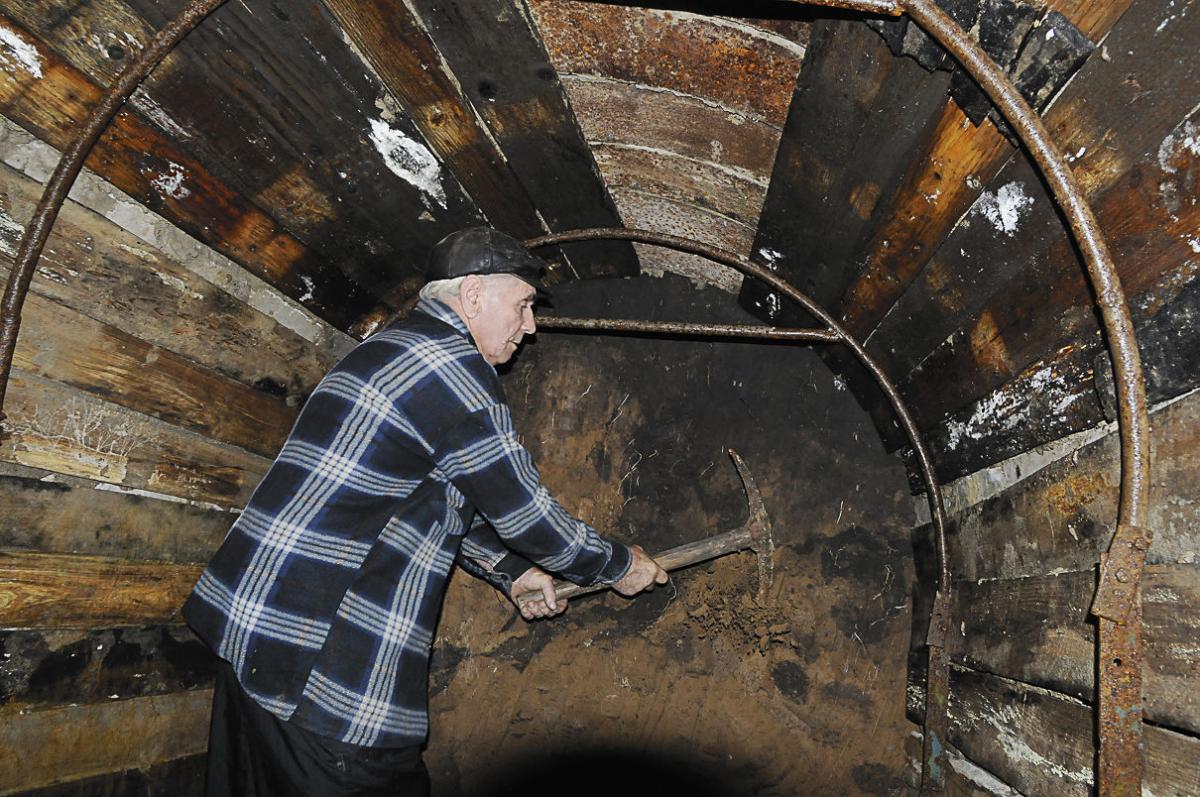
(442, 290)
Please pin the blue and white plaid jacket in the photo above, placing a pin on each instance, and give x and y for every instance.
(325, 593)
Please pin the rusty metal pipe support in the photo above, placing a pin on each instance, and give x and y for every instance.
(624, 326)
(1119, 695)
(69, 166)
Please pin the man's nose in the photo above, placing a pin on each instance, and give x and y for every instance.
(530, 325)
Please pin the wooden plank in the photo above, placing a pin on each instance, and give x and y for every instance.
(738, 66)
(56, 513)
(1027, 411)
(612, 112)
(1041, 742)
(41, 748)
(107, 274)
(958, 160)
(180, 777)
(841, 150)
(60, 344)
(734, 195)
(39, 590)
(965, 282)
(44, 668)
(1062, 517)
(658, 214)
(397, 47)
(134, 156)
(1037, 630)
(498, 57)
(62, 430)
(282, 112)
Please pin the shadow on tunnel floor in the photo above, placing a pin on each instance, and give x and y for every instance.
(596, 773)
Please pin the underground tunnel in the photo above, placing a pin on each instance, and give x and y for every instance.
(976, 462)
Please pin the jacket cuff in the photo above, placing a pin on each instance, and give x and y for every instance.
(512, 566)
(618, 565)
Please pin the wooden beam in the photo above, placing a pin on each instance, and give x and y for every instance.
(60, 344)
(40, 748)
(39, 590)
(398, 48)
(741, 67)
(1041, 742)
(93, 266)
(45, 668)
(841, 151)
(49, 511)
(283, 112)
(64, 430)
(499, 60)
(958, 159)
(134, 156)
(968, 303)
(1037, 630)
(612, 112)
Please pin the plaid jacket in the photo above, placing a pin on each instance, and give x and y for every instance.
(326, 591)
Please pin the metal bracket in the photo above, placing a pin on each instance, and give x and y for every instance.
(1121, 571)
(939, 620)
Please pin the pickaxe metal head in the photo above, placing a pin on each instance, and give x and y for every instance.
(759, 525)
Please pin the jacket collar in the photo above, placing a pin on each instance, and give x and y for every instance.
(444, 313)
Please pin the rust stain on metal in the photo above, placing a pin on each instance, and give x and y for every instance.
(737, 66)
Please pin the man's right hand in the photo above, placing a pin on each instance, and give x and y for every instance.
(643, 574)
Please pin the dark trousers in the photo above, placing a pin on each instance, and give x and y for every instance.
(252, 753)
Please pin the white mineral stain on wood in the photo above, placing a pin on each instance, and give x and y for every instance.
(170, 182)
(147, 106)
(410, 160)
(17, 53)
(11, 232)
(1005, 208)
(75, 439)
(35, 159)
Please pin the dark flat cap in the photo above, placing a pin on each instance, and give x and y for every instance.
(482, 250)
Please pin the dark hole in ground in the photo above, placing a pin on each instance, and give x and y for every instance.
(634, 773)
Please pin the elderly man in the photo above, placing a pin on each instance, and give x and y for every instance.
(322, 601)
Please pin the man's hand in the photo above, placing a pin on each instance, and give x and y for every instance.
(643, 574)
(537, 581)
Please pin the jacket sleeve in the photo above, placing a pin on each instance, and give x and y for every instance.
(482, 458)
(483, 554)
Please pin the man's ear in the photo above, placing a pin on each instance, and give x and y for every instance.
(470, 293)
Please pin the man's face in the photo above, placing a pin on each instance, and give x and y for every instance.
(506, 316)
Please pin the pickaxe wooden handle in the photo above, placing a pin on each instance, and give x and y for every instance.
(754, 535)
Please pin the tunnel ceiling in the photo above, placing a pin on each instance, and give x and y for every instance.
(326, 146)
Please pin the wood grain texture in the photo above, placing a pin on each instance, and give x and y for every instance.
(60, 591)
(41, 748)
(134, 156)
(1041, 742)
(841, 151)
(986, 318)
(738, 66)
(1037, 630)
(497, 56)
(51, 512)
(60, 344)
(398, 48)
(285, 113)
(958, 159)
(1063, 516)
(612, 112)
(62, 430)
(107, 274)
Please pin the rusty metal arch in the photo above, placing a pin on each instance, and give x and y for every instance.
(1117, 603)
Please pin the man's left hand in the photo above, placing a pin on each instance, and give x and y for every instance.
(537, 581)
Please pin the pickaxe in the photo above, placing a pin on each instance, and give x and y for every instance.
(754, 535)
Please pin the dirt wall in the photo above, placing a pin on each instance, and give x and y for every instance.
(692, 688)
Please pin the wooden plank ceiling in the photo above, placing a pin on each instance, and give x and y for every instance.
(324, 146)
